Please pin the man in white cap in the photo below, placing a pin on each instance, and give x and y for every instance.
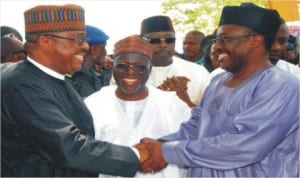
(131, 109)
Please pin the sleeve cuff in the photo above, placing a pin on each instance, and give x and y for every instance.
(136, 152)
(169, 152)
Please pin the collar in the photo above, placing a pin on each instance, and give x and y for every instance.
(46, 69)
(200, 61)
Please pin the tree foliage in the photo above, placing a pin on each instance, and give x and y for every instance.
(202, 15)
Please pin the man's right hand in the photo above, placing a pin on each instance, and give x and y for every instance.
(143, 151)
(156, 162)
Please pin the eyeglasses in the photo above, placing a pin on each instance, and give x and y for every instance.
(224, 40)
(159, 40)
(136, 68)
(79, 40)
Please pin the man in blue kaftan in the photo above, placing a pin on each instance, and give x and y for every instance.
(247, 124)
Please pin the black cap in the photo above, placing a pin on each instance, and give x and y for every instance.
(263, 21)
(156, 24)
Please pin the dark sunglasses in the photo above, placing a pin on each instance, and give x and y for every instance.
(159, 40)
(136, 68)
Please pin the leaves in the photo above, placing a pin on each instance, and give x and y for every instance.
(199, 15)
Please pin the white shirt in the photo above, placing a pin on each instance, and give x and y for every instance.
(291, 68)
(126, 122)
(197, 74)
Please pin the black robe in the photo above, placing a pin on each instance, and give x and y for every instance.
(86, 82)
(46, 130)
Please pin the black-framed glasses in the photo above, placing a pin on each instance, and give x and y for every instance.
(137, 68)
(80, 40)
(224, 40)
(159, 40)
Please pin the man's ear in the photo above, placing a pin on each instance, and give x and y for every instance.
(44, 42)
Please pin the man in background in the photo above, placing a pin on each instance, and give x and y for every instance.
(12, 50)
(291, 54)
(169, 72)
(88, 80)
(7, 31)
(192, 47)
(279, 48)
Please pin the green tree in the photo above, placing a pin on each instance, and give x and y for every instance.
(202, 15)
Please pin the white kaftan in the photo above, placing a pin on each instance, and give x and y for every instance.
(126, 122)
(291, 68)
(197, 74)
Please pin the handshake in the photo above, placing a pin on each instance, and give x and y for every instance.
(151, 158)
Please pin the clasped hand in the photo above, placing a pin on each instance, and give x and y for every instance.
(151, 158)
